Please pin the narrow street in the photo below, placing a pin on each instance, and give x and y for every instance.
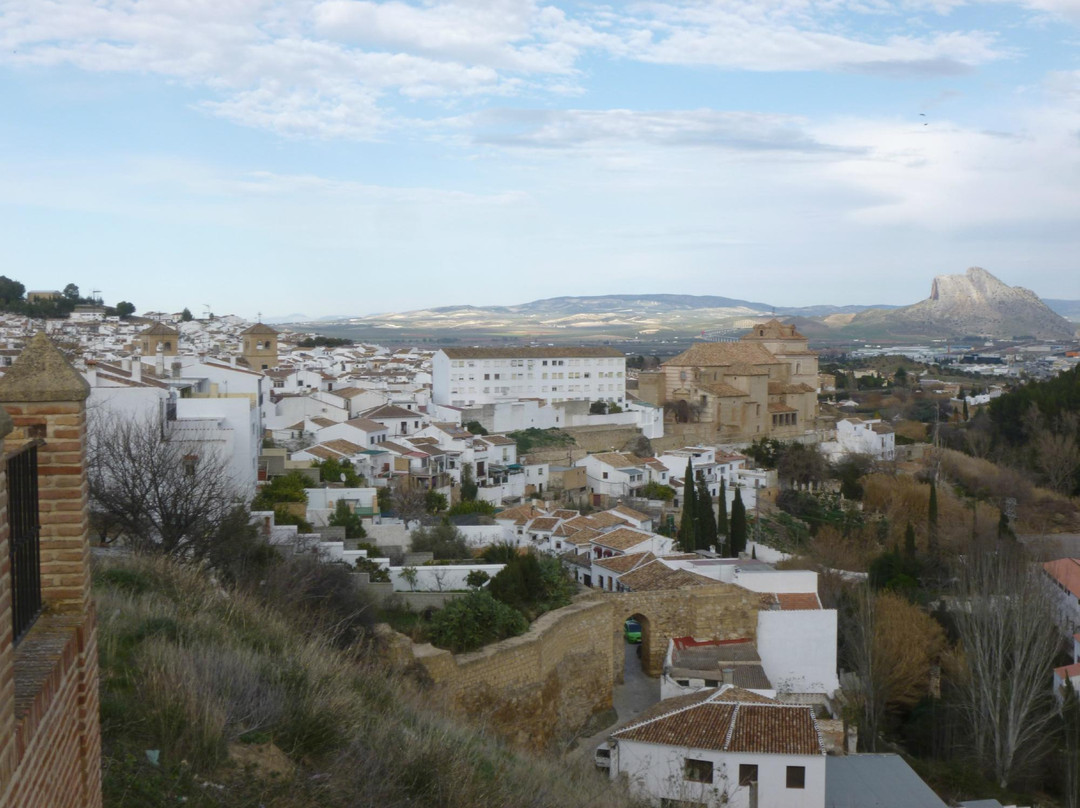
(637, 693)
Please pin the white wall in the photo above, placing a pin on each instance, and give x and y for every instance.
(657, 772)
(798, 650)
(440, 578)
(786, 581)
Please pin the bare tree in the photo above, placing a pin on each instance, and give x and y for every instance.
(155, 490)
(891, 646)
(409, 501)
(1057, 452)
(1004, 619)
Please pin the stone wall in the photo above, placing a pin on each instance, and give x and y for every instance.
(539, 689)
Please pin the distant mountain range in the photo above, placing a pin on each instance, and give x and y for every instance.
(973, 304)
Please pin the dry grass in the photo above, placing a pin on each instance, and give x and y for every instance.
(1039, 510)
(189, 668)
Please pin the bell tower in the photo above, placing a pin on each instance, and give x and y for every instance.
(259, 346)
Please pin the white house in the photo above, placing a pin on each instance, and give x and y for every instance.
(871, 436)
(470, 376)
(721, 747)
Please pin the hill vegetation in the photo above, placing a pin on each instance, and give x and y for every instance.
(219, 691)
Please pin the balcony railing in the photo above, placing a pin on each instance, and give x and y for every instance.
(24, 533)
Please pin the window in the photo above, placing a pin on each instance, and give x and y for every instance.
(796, 777)
(700, 771)
(747, 773)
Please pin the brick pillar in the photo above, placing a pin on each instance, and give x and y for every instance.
(46, 399)
(7, 652)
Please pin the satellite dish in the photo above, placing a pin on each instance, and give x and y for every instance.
(343, 476)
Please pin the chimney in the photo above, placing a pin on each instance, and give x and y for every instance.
(136, 369)
(729, 676)
(176, 366)
(232, 361)
(91, 372)
(125, 364)
(159, 364)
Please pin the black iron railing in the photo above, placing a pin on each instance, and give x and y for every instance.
(25, 529)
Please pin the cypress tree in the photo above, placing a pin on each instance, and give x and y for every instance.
(909, 541)
(706, 518)
(721, 519)
(1004, 531)
(932, 536)
(737, 542)
(687, 531)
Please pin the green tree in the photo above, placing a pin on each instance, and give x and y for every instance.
(333, 470)
(469, 488)
(434, 502)
(385, 499)
(71, 292)
(476, 428)
(909, 541)
(443, 541)
(343, 516)
(705, 523)
(687, 530)
(286, 488)
(472, 506)
(1004, 530)
(598, 408)
(186, 316)
(474, 621)
(11, 293)
(654, 490)
(737, 541)
(932, 521)
(476, 579)
(722, 528)
(125, 309)
(901, 377)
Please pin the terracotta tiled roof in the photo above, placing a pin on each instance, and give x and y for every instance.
(320, 421)
(627, 511)
(562, 513)
(720, 354)
(1066, 571)
(520, 514)
(259, 328)
(619, 460)
(656, 576)
(498, 440)
(389, 411)
(605, 519)
(366, 424)
(798, 601)
(781, 408)
(729, 720)
(773, 330)
(624, 563)
(622, 539)
(544, 523)
(530, 353)
(343, 446)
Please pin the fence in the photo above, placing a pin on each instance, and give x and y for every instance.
(25, 527)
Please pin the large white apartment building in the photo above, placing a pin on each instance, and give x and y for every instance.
(463, 377)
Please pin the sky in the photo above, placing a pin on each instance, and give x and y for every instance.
(325, 157)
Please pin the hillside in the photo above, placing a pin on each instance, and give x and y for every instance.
(211, 697)
(973, 304)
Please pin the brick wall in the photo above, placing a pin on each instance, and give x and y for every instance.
(538, 690)
(50, 743)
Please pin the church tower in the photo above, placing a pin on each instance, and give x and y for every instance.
(159, 334)
(259, 347)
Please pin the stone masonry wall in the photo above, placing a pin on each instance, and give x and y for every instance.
(539, 689)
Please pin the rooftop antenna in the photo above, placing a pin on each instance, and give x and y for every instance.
(206, 306)
(258, 316)
(94, 296)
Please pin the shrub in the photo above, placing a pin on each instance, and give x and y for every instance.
(473, 621)
(287, 488)
(345, 517)
(471, 506)
(443, 541)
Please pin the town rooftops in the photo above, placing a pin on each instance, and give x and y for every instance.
(772, 330)
(728, 719)
(159, 330)
(656, 576)
(570, 351)
(624, 563)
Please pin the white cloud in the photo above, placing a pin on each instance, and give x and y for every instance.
(353, 68)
